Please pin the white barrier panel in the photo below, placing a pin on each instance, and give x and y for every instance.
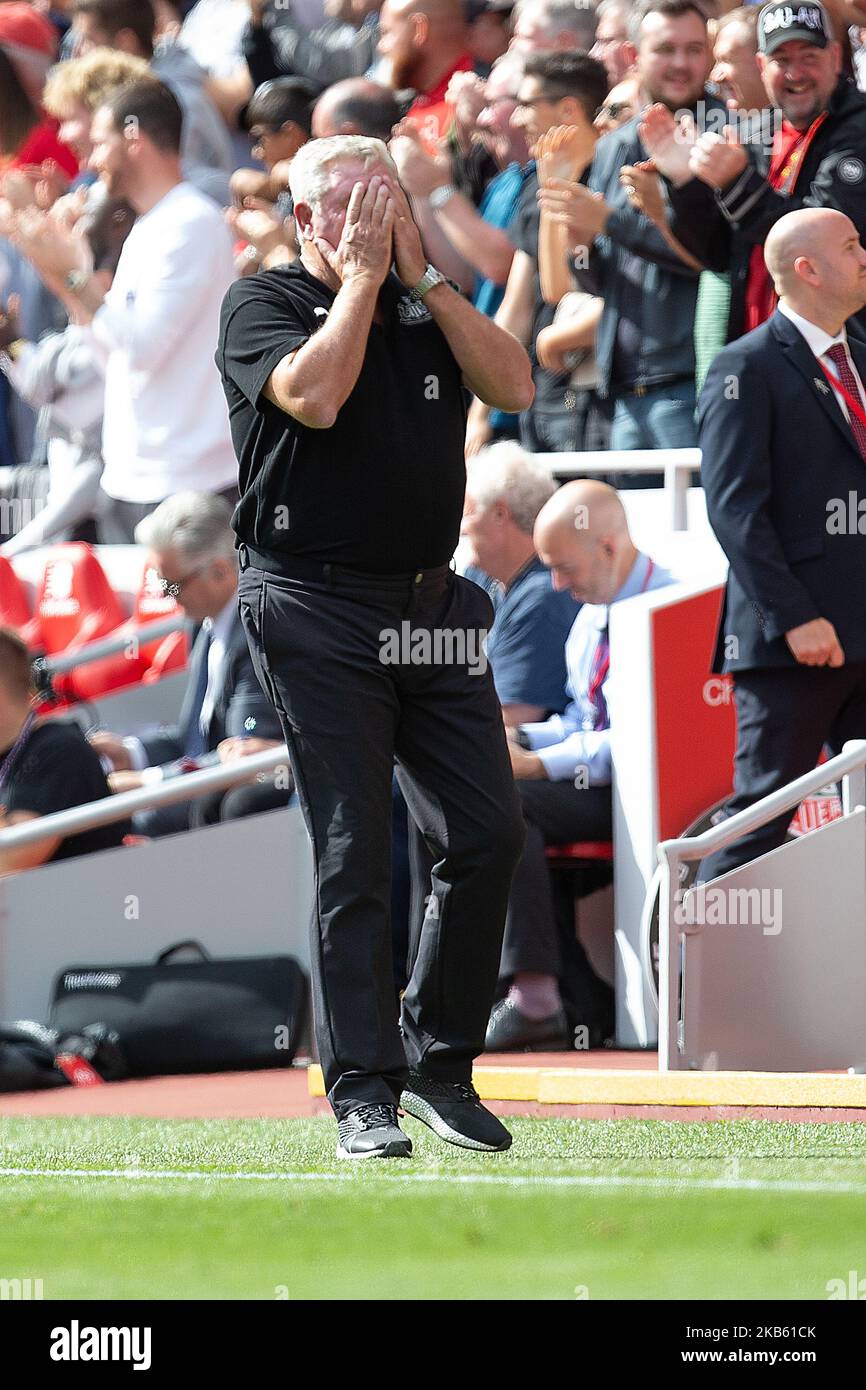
(774, 977)
(243, 888)
(672, 747)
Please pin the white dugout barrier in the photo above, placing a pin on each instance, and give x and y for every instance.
(245, 888)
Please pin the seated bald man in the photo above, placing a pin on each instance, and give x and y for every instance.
(562, 768)
(782, 420)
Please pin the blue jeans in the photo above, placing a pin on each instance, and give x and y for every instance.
(662, 419)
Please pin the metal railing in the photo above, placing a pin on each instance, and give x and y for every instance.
(677, 465)
(849, 766)
(113, 808)
(108, 646)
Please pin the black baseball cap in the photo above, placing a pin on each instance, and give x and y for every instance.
(779, 23)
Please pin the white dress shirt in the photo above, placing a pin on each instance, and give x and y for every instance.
(569, 741)
(820, 343)
(220, 629)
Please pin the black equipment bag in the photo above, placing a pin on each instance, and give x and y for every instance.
(204, 1015)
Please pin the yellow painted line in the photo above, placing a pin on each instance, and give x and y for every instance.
(507, 1083)
(584, 1086)
(786, 1089)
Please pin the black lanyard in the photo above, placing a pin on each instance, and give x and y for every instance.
(9, 760)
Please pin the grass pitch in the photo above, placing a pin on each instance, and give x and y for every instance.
(246, 1209)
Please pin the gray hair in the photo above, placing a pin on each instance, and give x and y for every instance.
(613, 7)
(507, 473)
(310, 174)
(196, 525)
(555, 17)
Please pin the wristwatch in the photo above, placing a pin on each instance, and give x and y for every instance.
(428, 281)
(438, 197)
(76, 280)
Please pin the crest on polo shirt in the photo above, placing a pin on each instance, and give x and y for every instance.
(850, 169)
(411, 311)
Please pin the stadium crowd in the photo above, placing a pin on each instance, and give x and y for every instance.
(600, 180)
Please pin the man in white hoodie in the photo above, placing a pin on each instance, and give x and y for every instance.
(166, 426)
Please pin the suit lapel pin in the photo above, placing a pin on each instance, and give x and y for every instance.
(821, 385)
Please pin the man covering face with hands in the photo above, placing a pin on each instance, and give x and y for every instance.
(345, 376)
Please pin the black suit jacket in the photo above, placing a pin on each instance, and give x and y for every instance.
(779, 467)
(241, 705)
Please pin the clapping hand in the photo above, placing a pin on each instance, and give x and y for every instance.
(419, 172)
(669, 143)
(718, 160)
(574, 205)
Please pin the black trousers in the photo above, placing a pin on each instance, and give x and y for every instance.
(555, 813)
(350, 703)
(784, 717)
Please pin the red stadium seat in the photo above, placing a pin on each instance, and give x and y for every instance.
(146, 663)
(580, 849)
(14, 608)
(75, 603)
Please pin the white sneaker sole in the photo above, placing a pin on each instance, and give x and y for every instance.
(422, 1110)
(375, 1153)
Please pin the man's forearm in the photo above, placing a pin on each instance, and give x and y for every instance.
(321, 376)
(439, 249)
(484, 246)
(493, 362)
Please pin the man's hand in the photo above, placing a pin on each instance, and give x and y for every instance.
(366, 246)
(718, 160)
(816, 644)
(259, 225)
(119, 782)
(466, 93)
(573, 205)
(527, 767)
(409, 257)
(110, 746)
(551, 357)
(54, 249)
(641, 183)
(479, 431)
(419, 172)
(668, 143)
(231, 750)
(10, 329)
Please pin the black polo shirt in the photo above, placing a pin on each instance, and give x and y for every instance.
(382, 489)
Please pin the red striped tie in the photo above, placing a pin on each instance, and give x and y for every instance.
(839, 357)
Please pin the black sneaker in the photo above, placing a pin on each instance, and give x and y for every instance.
(372, 1131)
(509, 1030)
(454, 1112)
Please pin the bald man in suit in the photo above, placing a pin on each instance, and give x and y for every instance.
(782, 420)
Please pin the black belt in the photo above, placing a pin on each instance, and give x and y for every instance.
(325, 571)
(640, 388)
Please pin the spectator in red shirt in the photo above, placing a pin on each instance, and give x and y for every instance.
(28, 137)
(425, 42)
